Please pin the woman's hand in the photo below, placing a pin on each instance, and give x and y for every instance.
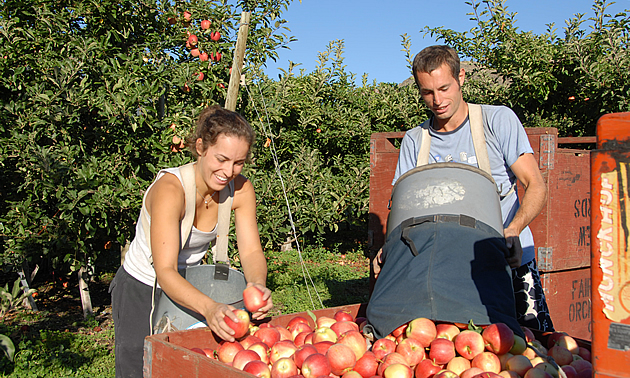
(215, 318)
(262, 312)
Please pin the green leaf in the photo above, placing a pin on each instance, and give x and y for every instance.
(313, 316)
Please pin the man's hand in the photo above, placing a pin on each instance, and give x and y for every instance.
(377, 263)
(513, 244)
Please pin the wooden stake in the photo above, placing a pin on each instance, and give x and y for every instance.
(85, 293)
(237, 63)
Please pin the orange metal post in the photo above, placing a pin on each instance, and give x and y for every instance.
(610, 236)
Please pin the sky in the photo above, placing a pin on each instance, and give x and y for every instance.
(371, 29)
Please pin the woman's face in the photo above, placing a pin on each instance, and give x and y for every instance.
(222, 162)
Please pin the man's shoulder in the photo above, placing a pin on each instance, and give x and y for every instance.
(418, 129)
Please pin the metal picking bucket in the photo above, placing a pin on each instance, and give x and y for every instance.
(222, 284)
(445, 188)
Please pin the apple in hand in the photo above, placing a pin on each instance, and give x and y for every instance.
(253, 298)
(242, 326)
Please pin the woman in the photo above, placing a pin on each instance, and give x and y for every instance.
(221, 145)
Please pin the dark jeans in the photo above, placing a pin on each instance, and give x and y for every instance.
(131, 309)
(531, 306)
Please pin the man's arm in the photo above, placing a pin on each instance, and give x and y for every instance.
(526, 170)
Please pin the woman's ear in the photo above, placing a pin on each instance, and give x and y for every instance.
(199, 146)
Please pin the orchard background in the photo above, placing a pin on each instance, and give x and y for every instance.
(95, 97)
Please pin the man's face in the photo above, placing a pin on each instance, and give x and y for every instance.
(442, 93)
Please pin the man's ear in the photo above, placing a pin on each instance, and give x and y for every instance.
(462, 76)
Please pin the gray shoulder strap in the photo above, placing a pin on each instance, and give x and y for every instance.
(478, 137)
(219, 250)
(425, 147)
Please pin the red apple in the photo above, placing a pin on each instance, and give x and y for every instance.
(240, 328)
(398, 371)
(569, 371)
(243, 357)
(198, 350)
(366, 365)
(458, 365)
(519, 364)
(355, 341)
(553, 338)
(509, 374)
(537, 373)
(584, 353)
(192, 40)
(351, 374)
(549, 368)
(215, 36)
(342, 315)
(316, 365)
(262, 349)
(427, 369)
(258, 369)
(383, 347)
(580, 365)
(300, 338)
(487, 374)
(469, 344)
(504, 359)
(444, 373)
(302, 353)
(205, 24)
(203, 57)
(227, 350)
(324, 321)
(469, 373)
(561, 354)
(281, 349)
(194, 52)
(341, 358)
(392, 358)
(249, 341)
(253, 298)
(297, 319)
(399, 330)
(324, 334)
(569, 343)
(285, 334)
(487, 361)
(341, 327)
(499, 338)
(442, 351)
(298, 328)
(268, 335)
(412, 350)
(187, 15)
(283, 368)
(323, 346)
(529, 335)
(446, 331)
(422, 329)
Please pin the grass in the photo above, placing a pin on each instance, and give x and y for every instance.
(58, 342)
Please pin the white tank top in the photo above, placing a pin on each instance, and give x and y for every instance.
(137, 260)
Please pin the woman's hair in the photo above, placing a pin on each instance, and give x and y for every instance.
(215, 121)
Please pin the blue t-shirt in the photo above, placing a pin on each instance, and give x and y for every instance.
(506, 140)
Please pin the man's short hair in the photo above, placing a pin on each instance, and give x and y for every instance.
(433, 57)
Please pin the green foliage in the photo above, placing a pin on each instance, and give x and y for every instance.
(565, 82)
(6, 344)
(12, 299)
(315, 129)
(94, 98)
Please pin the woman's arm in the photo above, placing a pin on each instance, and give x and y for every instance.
(249, 248)
(166, 206)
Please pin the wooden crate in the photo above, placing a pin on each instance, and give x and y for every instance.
(568, 296)
(168, 355)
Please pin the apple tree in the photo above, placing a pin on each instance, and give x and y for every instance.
(95, 97)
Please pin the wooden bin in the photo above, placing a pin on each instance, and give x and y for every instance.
(168, 355)
(561, 231)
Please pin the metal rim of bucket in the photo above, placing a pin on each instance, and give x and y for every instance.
(444, 165)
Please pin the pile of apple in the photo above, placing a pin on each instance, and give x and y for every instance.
(336, 347)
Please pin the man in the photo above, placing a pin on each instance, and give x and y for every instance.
(439, 78)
